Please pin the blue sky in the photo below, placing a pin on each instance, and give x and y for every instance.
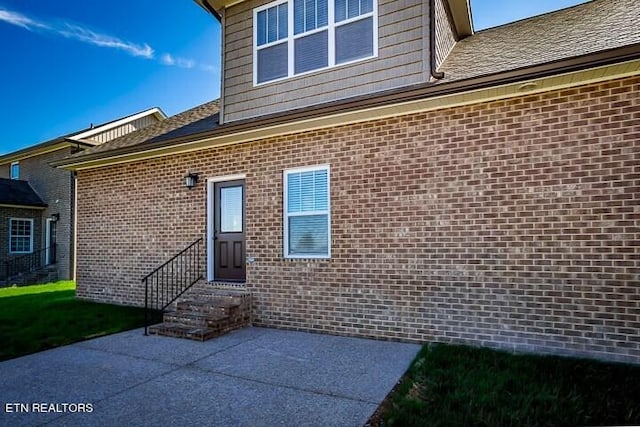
(67, 64)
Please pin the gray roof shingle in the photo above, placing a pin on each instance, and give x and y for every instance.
(591, 27)
(198, 119)
(18, 193)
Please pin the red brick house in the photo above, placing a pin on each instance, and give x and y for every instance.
(375, 168)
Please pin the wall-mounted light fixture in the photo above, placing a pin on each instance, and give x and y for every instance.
(190, 180)
(54, 217)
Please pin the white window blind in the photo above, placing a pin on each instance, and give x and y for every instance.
(271, 32)
(307, 213)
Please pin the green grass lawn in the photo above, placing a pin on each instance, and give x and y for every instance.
(35, 318)
(462, 386)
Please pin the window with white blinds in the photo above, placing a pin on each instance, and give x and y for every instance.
(293, 37)
(271, 32)
(307, 213)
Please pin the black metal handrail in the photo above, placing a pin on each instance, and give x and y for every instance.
(166, 283)
(30, 262)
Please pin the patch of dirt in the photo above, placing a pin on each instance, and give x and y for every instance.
(377, 420)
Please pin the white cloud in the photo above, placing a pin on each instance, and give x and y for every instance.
(103, 40)
(185, 63)
(83, 34)
(167, 59)
(20, 20)
(209, 68)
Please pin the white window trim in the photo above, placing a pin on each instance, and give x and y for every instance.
(286, 214)
(11, 170)
(47, 241)
(30, 237)
(331, 27)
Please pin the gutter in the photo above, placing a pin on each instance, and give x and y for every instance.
(382, 99)
(211, 10)
(42, 148)
(438, 75)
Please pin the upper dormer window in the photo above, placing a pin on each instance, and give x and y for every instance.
(15, 170)
(293, 37)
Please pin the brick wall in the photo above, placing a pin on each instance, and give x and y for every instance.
(511, 224)
(55, 187)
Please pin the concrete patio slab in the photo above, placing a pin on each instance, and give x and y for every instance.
(354, 368)
(253, 376)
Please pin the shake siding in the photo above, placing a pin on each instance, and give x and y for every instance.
(444, 35)
(124, 129)
(510, 224)
(400, 62)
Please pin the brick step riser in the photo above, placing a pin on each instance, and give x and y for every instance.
(191, 321)
(204, 314)
(191, 336)
(201, 335)
(216, 299)
(206, 309)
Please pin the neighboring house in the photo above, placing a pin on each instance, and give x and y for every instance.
(37, 200)
(377, 169)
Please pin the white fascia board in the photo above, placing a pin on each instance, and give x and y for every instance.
(152, 111)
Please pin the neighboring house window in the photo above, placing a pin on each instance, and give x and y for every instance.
(294, 37)
(20, 235)
(307, 219)
(15, 170)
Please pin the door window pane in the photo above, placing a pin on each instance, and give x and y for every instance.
(231, 209)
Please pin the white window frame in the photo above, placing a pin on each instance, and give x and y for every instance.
(17, 175)
(291, 37)
(30, 236)
(286, 213)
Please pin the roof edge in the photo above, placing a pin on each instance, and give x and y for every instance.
(387, 98)
(460, 12)
(155, 111)
(209, 9)
(42, 148)
(9, 205)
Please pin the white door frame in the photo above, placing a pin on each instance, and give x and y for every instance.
(47, 241)
(210, 218)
